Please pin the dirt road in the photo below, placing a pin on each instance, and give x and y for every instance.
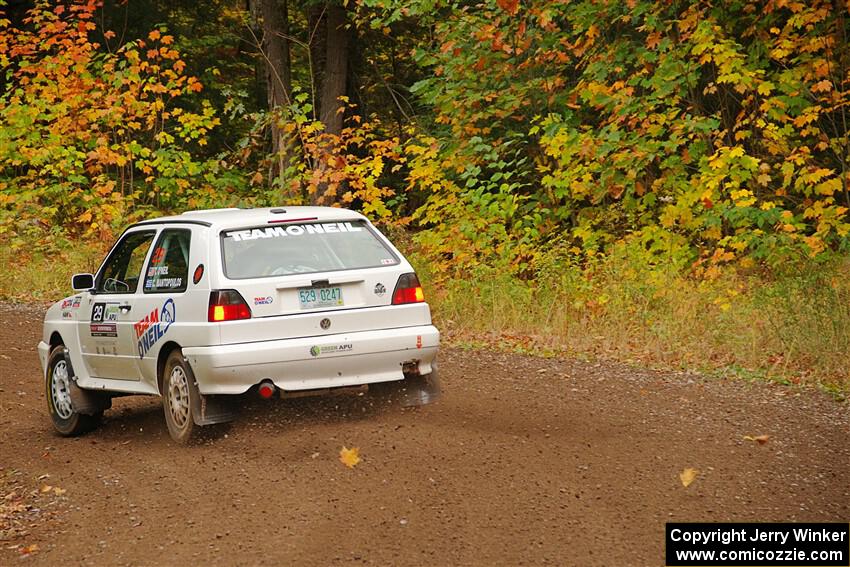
(524, 461)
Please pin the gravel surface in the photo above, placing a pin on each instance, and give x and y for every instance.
(523, 461)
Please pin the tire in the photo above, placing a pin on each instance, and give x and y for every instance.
(179, 396)
(66, 421)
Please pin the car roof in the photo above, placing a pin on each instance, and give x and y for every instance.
(237, 218)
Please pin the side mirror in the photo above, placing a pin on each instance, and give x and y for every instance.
(82, 282)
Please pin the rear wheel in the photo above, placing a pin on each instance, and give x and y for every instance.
(66, 421)
(179, 394)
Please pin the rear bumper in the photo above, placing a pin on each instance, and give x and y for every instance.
(328, 361)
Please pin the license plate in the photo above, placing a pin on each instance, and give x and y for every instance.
(313, 297)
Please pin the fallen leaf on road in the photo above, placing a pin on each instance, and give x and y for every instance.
(760, 439)
(349, 457)
(29, 549)
(46, 488)
(59, 491)
(687, 476)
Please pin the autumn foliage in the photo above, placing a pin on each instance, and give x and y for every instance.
(701, 134)
(92, 134)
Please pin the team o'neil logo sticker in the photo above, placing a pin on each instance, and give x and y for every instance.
(154, 326)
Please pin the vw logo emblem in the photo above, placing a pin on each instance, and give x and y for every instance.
(325, 324)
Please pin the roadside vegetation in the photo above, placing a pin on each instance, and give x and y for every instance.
(652, 182)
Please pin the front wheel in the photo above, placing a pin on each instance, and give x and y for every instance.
(66, 420)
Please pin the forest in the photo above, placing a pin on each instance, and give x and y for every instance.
(654, 181)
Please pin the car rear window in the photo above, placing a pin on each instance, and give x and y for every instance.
(286, 249)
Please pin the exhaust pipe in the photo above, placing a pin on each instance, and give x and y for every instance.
(267, 389)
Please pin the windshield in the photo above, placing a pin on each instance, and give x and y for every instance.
(302, 249)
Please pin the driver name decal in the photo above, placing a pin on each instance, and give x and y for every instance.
(292, 230)
(153, 327)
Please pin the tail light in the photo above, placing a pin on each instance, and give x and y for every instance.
(227, 305)
(408, 290)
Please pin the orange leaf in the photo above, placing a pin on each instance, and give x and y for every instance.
(509, 6)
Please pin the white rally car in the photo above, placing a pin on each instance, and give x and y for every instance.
(200, 307)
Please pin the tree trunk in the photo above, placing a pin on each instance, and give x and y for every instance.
(275, 46)
(317, 35)
(336, 69)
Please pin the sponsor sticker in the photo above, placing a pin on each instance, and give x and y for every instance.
(380, 289)
(104, 330)
(66, 303)
(111, 312)
(154, 326)
(292, 230)
(263, 300)
(341, 348)
(387, 261)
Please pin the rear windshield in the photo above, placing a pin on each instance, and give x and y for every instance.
(281, 250)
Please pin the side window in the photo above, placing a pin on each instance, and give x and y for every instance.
(168, 269)
(121, 272)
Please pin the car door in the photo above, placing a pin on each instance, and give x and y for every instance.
(106, 325)
(165, 281)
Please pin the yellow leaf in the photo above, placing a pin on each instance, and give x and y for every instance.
(46, 488)
(687, 476)
(59, 491)
(765, 88)
(349, 457)
(760, 439)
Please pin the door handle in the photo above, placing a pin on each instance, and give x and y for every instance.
(125, 308)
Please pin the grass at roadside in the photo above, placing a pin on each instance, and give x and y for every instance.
(792, 327)
(33, 275)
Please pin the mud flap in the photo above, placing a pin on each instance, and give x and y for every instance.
(207, 410)
(86, 402)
